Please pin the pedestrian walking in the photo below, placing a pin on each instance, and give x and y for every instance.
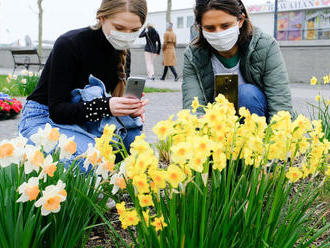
(169, 57)
(151, 49)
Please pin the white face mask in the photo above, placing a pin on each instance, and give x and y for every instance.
(121, 40)
(223, 41)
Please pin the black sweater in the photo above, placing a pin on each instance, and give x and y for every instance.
(153, 44)
(75, 55)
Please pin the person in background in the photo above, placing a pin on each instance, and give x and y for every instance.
(228, 43)
(151, 49)
(89, 55)
(169, 58)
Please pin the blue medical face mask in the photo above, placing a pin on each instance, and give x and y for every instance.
(223, 41)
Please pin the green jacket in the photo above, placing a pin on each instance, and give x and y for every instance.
(261, 64)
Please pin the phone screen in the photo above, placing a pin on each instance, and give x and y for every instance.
(134, 87)
(227, 85)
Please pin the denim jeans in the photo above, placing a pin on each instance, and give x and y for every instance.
(36, 115)
(252, 98)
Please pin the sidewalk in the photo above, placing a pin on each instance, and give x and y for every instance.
(162, 105)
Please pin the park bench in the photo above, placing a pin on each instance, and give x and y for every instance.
(26, 58)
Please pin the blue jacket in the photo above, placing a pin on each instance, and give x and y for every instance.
(96, 89)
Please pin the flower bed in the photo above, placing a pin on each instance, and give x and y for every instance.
(228, 183)
(9, 107)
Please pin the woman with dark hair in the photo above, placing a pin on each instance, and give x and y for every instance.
(86, 66)
(228, 43)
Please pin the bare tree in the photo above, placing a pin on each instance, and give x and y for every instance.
(169, 10)
(40, 15)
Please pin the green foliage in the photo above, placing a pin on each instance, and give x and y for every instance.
(23, 226)
(22, 85)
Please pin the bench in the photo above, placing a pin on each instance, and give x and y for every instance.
(26, 58)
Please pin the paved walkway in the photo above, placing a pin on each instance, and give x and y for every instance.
(162, 105)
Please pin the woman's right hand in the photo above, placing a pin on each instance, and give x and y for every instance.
(122, 106)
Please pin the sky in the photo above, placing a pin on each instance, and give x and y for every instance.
(20, 17)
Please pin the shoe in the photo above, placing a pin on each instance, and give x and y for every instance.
(163, 79)
(176, 79)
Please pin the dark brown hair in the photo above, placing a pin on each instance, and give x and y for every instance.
(232, 7)
(109, 8)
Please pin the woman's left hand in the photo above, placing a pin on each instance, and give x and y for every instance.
(140, 111)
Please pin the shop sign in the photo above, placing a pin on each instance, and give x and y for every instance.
(289, 5)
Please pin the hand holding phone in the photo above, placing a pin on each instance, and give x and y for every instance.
(134, 87)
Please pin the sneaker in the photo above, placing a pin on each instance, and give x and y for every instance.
(176, 79)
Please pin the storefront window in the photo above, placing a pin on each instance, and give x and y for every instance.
(304, 25)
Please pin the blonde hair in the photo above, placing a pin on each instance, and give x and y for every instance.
(109, 8)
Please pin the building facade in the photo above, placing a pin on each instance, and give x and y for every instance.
(297, 20)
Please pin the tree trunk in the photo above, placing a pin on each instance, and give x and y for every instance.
(169, 10)
(40, 27)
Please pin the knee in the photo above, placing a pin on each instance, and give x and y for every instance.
(251, 97)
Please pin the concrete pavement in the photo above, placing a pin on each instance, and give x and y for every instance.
(163, 105)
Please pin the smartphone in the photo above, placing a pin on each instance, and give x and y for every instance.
(134, 87)
(227, 85)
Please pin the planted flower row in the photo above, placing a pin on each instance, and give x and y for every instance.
(228, 182)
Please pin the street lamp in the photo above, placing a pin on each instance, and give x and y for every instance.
(275, 19)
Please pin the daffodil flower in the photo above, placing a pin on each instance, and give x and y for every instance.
(47, 138)
(29, 191)
(51, 198)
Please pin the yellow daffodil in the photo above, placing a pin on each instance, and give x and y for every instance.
(129, 218)
(294, 174)
(181, 152)
(120, 208)
(146, 217)
(175, 175)
(145, 200)
(195, 104)
(141, 183)
(326, 79)
(163, 129)
(158, 177)
(318, 98)
(313, 80)
(327, 172)
(159, 223)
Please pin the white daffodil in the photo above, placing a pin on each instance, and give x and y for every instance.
(47, 138)
(35, 159)
(51, 199)
(92, 156)
(68, 147)
(118, 180)
(29, 191)
(48, 168)
(24, 72)
(106, 167)
(12, 151)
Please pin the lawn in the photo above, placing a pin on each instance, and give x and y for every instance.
(13, 90)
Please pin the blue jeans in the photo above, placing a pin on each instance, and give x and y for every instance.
(252, 98)
(36, 115)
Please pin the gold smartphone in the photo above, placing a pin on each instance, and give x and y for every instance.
(227, 85)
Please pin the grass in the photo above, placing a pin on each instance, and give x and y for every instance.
(158, 90)
(14, 92)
